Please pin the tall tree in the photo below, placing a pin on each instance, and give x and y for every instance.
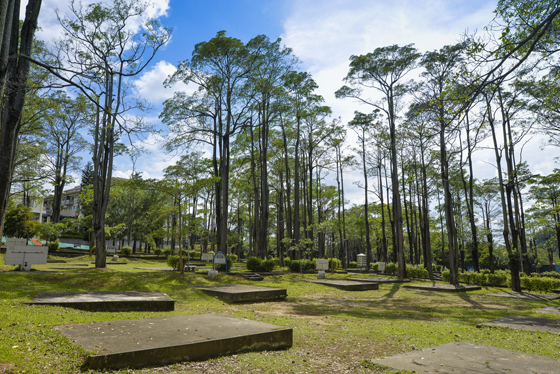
(384, 69)
(16, 46)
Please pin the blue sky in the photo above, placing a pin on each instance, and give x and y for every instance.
(322, 33)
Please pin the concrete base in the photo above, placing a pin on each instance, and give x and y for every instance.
(237, 293)
(163, 340)
(443, 287)
(112, 263)
(380, 280)
(549, 309)
(470, 358)
(526, 323)
(158, 268)
(348, 285)
(108, 301)
(526, 295)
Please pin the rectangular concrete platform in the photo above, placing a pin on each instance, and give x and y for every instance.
(163, 340)
(443, 287)
(152, 301)
(470, 358)
(549, 309)
(526, 295)
(238, 293)
(380, 280)
(526, 323)
(347, 285)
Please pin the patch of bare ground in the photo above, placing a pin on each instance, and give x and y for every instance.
(7, 368)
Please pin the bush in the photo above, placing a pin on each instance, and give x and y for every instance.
(551, 274)
(413, 272)
(374, 266)
(54, 245)
(158, 251)
(276, 261)
(126, 250)
(499, 277)
(445, 275)
(287, 261)
(302, 265)
(353, 264)
(166, 252)
(173, 261)
(540, 284)
(257, 265)
(391, 268)
(233, 257)
(193, 254)
(334, 261)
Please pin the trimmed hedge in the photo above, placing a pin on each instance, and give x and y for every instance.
(287, 261)
(54, 245)
(353, 264)
(540, 284)
(158, 251)
(297, 266)
(258, 265)
(391, 268)
(414, 272)
(333, 261)
(374, 266)
(173, 261)
(126, 250)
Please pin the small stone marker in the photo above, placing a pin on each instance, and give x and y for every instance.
(347, 285)
(470, 358)
(381, 267)
(443, 287)
(526, 323)
(207, 257)
(238, 293)
(322, 265)
(526, 295)
(163, 340)
(108, 300)
(212, 274)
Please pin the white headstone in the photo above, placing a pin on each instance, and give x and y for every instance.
(322, 264)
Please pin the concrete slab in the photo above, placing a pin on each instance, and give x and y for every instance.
(526, 323)
(238, 293)
(159, 268)
(108, 301)
(443, 287)
(470, 358)
(163, 340)
(380, 280)
(112, 263)
(347, 285)
(526, 295)
(549, 309)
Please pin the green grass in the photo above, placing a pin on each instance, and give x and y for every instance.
(334, 330)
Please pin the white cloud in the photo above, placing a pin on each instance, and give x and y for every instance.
(150, 84)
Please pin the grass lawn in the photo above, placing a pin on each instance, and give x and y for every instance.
(335, 331)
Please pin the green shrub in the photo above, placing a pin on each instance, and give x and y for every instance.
(233, 257)
(173, 261)
(436, 267)
(540, 284)
(414, 272)
(302, 265)
(499, 277)
(166, 252)
(126, 250)
(391, 268)
(374, 266)
(254, 264)
(550, 274)
(445, 275)
(276, 261)
(54, 245)
(353, 264)
(193, 254)
(257, 265)
(287, 261)
(333, 261)
(158, 251)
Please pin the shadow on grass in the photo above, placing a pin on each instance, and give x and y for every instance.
(394, 288)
